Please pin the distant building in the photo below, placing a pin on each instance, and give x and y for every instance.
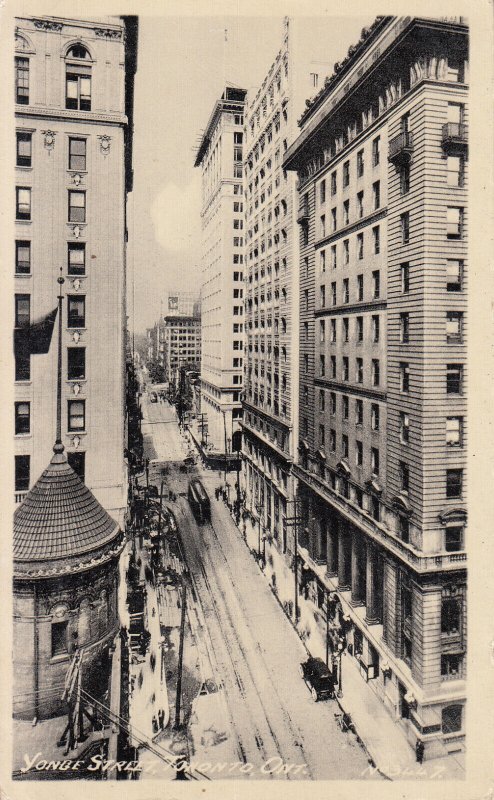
(179, 345)
(73, 110)
(220, 156)
(382, 163)
(182, 304)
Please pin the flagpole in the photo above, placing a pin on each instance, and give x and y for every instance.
(58, 447)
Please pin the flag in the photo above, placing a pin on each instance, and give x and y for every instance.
(35, 339)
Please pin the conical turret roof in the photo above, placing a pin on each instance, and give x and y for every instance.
(60, 523)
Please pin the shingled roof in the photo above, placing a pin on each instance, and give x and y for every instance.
(60, 519)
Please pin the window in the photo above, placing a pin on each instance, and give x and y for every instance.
(454, 324)
(377, 239)
(360, 164)
(376, 193)
(375, 460)
(333, 256)
(23, 203)
(346, 251)
(346, 290)
(76, 363)
(375, 372)
(333, 293)
(450, 615)
(321, 400)
(333, 182)
(451, 719)
(360, 329)
(360, 246)
(332, 440)
(306, 299)
(322, 291)
(405, 277)
(404, 427)
(344, 445)
(359, 412)
(405, 178)
(333, 366)
(321, 435)
(404, 476)
(76, 311)
(346, 212)
(22, 81)
(333, 330)
(454, 378)
(322, 191)
(333, 402)
(454, 482)
(375, 508)
(78, 463)
(306, 363)
(346, 173)
(22, 366)
(360, 287)
(322, 365)
(23, 149)
(22, 418)
(454, 431)
(376, 280)
(22, 310)
(405, 327)
(78, 80)
(404, 377)
(77, 206)
(323, 224)
(360, 205)
(77, 154)
(375, 417)
(359, 370)
(322, 260)
(345, 375)
(375, 329)
(345, 406)
(76, 258)
(76, 415)
(334, 220)
(346, 328)
(359, 453)
(405, 227)
(454, 222)
(453, 538)
(22, 473)
(59, 641)
(322, 330)
(376, 151)
(451, 665)
(454, 272)
(22, 258)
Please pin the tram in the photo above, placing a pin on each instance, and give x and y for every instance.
(199, 501)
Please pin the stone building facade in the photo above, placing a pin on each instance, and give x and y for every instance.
(73, 109)
(382, 165)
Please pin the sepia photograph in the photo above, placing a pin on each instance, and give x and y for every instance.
(241, 397)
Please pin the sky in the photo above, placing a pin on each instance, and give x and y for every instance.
(183, 64)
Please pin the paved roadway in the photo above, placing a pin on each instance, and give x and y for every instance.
(273, 719)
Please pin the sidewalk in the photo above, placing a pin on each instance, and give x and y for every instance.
(383, 738)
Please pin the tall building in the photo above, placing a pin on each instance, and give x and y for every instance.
(381, 161)
(220, 156)
(270, 405)
(180, 345)
(73, 107)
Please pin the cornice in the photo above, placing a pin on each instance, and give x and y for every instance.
(66, 114)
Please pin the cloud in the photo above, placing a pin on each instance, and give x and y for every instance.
(175, 213)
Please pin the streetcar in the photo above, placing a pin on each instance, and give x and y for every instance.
(199, 501)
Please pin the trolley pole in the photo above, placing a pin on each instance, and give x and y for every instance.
(180, 656)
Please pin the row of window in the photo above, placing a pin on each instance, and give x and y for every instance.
(76, 416)
(345, 287)
(77, 151)
(453, 328)
(76, 257)
(76, 204)
(77, 460)
(76, 311)
(77, 79)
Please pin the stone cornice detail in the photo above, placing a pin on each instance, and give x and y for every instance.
(62, 113)
(47, 25)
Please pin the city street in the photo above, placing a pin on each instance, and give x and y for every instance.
(274, 724)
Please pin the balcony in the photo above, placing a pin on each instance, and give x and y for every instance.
(401, 148)
(19, 496)
(454, 137)
(303, 212)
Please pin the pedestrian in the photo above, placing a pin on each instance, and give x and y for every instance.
(152, 661)
(419, 751)
(161, 719)
(153, 613)
(155, 724)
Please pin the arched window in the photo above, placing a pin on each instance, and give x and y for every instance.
(78, 78)
(451, 719)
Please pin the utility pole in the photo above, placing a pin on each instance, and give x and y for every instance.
(293, 521)
(224, 427)
(180, 655)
